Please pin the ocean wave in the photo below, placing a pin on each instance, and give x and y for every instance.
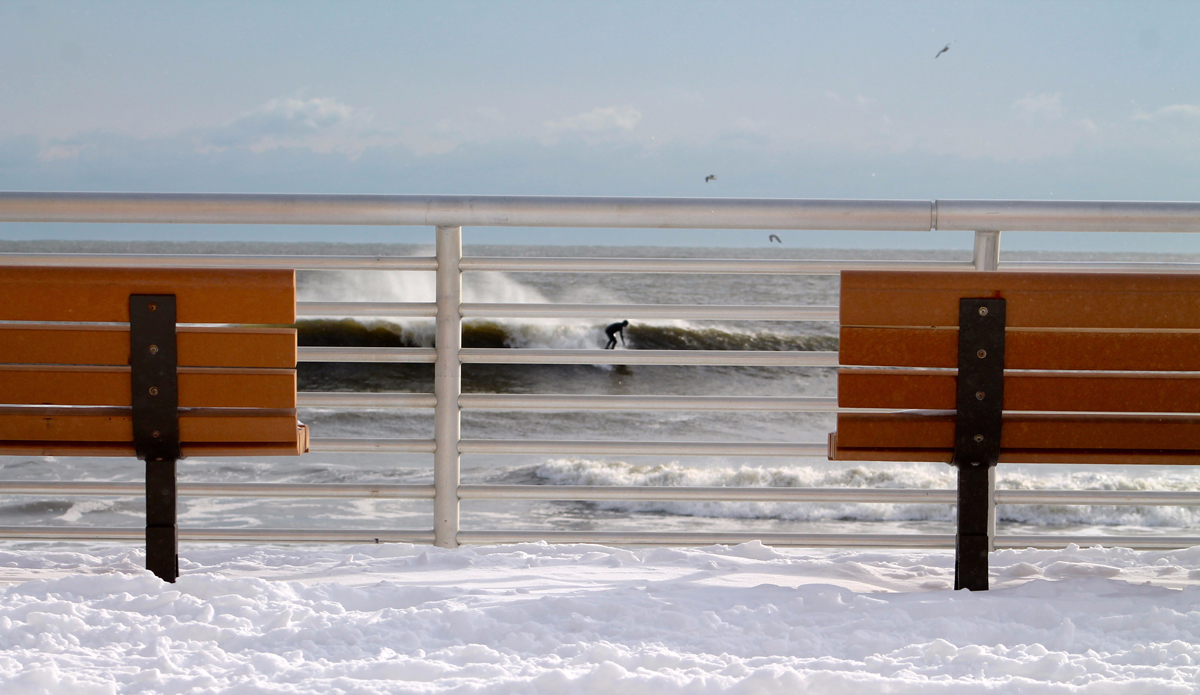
(500, 334)
(574, 471)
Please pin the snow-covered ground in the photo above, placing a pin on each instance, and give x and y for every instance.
(582, 618)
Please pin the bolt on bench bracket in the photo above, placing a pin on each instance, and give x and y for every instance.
(154, 384)
(980, 402)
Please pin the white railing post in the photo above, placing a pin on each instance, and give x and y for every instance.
(447, 385)
(987, 251)
(987, 258)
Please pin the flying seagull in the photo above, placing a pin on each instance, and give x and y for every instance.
(710, 177)
(774, 237)
(946, 48)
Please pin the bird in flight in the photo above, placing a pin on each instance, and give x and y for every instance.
(710, 177)
(944, 49)
(774, 237)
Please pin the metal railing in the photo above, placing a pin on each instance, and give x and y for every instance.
(448, 214)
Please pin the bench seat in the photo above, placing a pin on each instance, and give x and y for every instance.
(980, 368)
(65, 379)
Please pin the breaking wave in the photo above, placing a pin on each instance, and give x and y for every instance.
(575, 471)
(499, 334)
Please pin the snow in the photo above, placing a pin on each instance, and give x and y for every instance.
(539, 618)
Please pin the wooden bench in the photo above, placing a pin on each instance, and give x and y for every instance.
(109, 362)
(1000, 367)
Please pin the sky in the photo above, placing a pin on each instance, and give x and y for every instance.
(1039, 100)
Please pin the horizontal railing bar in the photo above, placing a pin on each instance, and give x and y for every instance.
(597, 492)
(290, 490)
(797, 540)
(820, 540)
(393, 309)
(92, 533)
(323, 445)
(1019, 542)
(810, 540)
(189, 260)
(1165, 498)
(367, 354)
(587, 402)
(468, 210)
(605, 492)
(627, 448)
(755, 266)
(1100, 267)
(344, 399)
(1065, 216)
(585, 493)
(566, 211)
(745, 358)
(652, 311)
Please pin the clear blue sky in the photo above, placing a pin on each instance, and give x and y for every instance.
(1041, 100)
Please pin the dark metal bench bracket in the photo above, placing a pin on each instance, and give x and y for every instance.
(154, 382)
(979, 405)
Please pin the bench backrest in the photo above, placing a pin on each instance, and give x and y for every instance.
(65, 384)
(1091, 367)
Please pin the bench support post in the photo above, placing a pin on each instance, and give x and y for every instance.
(980, 401)
(154, 385)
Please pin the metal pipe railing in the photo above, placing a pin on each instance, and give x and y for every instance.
(367, 354)
(725, 266)
(744, 358)
(449, 213)
(189, 260)
(596, 493)
(652, 311)
(628, 448)
(525, 401)
(566, 211)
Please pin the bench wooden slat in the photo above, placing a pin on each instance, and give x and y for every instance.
(935, 430)
(190, 450)
(203, 295)
(1076, 300)
(114, 424)
(1025, 391)
(198, 346)
(1151, 457)
(199, 387)
(1025, 349)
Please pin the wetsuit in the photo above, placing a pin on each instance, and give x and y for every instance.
(612, 332)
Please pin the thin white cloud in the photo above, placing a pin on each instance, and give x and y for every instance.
(50, 153)
(599, 120)
(320, 124)
(1176, 113)
(1030, 106)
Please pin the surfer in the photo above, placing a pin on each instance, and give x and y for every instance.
(612, 331)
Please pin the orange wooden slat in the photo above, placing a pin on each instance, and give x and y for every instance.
(199, 387)
(935, 430)
(113, 424)
(1025, 349)
(1025, 390)
(190, 450)
(202, 295)
(1150, 457)
(198, 346)
(1070, 300)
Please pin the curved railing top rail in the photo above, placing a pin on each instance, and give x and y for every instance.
(554, 211)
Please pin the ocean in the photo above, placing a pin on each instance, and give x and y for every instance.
(567, 469)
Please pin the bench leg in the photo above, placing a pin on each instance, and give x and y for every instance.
(976, 526)
(162, 531)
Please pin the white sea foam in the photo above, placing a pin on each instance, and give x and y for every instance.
(577, 471)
